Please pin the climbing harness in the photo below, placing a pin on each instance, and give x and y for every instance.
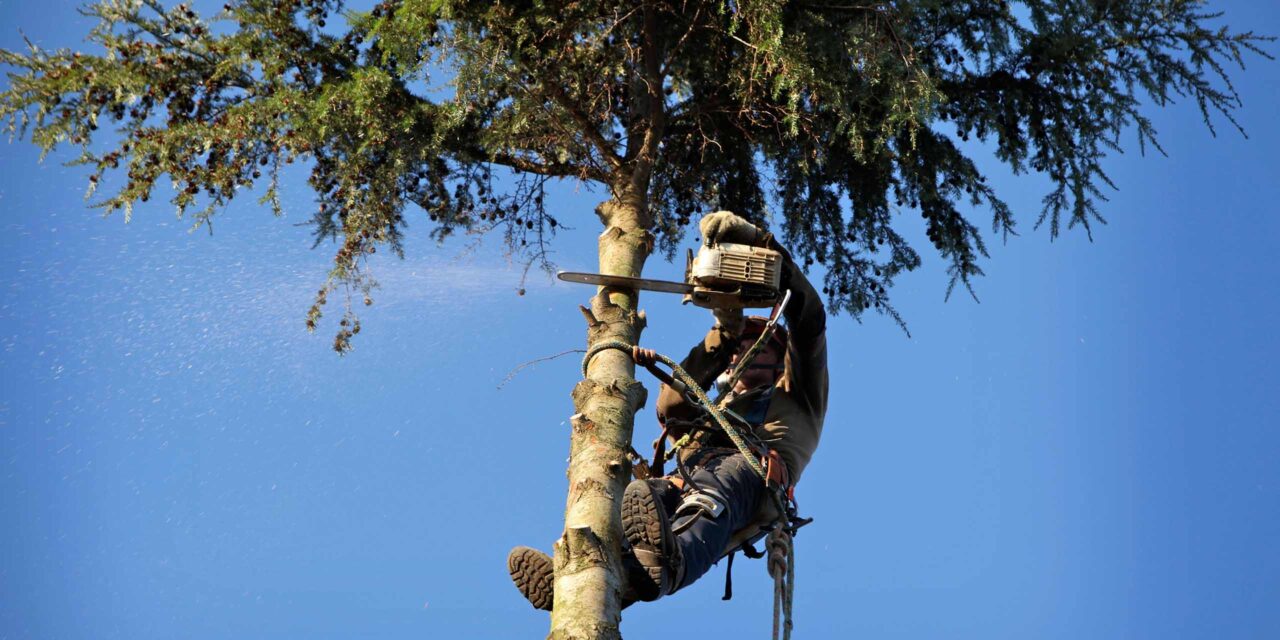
(763, 461)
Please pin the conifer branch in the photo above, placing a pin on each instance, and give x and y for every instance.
(832, 117)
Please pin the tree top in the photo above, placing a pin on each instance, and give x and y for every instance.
(831, 119)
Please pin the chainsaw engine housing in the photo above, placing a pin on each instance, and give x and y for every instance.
(734, 276)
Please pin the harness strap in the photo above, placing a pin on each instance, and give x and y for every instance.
(639, 468)
(763, 339)
(660, 453)
(777, 475)
(693, 387)
(728, 578)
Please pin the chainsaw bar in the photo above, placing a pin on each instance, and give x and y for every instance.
(626, 282)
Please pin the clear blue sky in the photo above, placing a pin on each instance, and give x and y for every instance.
(1091, 452)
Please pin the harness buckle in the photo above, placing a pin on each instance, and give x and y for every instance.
(703, 501)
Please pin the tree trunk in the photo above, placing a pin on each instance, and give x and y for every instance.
(589, 579)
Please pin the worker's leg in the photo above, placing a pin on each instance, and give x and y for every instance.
(532, 570)
(703, 528)
(533, 574)
(721, 496)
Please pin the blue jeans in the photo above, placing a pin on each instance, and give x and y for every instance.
(725, 473)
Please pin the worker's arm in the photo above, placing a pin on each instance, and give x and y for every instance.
(704, 362)
(805, 314)
(807, 321)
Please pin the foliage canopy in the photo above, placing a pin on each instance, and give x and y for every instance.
(832, 117)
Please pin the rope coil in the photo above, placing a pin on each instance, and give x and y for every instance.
(782, 567)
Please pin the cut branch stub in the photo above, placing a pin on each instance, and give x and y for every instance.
(577, 553)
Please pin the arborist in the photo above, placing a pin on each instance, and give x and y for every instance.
(715, 502)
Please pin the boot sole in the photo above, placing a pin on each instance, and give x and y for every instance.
(644, 523)
(534, 575)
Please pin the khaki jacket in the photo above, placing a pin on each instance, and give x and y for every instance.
(793, 423)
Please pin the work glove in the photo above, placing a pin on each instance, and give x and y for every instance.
(725, 226)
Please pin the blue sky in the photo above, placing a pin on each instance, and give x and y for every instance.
(1090, 452)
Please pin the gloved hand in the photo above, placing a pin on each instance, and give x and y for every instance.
(726, 226)
(730, 320)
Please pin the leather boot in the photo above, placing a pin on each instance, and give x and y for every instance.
(533, 573)
(646, 524)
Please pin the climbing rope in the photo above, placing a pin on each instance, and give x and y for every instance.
(744, 362)
(693, 386)
(782, 568)
(782, 552)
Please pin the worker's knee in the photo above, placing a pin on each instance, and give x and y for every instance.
(701, 503)
(734, 483)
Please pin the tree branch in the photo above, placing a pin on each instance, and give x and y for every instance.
(591, 132)
(559, 170)
(654, 115)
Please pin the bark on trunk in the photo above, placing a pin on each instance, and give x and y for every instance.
(588, 570)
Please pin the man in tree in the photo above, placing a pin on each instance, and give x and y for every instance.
(844, 119)
(680, 525)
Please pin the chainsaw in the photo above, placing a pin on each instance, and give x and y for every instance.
(722, 276)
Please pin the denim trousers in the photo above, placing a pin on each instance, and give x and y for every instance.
(726, 474)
